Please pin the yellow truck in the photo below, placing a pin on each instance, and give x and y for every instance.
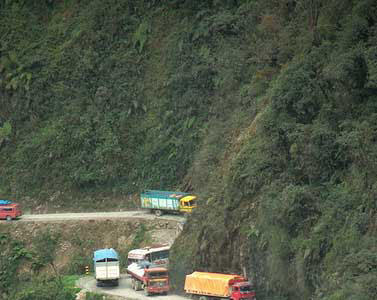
(206, 286)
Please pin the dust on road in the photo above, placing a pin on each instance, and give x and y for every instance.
(88, 283)
(97, 215)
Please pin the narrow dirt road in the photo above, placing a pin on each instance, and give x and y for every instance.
(124, 289)
(98, 215)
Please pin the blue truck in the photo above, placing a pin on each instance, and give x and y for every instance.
(168, 201)
(106, 267)
(5, 202)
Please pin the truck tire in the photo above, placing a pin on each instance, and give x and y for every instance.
(138, 285)
(158, 212)
(9, 218)
(133, 283)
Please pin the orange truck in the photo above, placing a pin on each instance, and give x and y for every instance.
(207, 286)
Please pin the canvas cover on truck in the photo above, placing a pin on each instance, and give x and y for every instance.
(213, 284)
(5, 202)
(105, 253)
(165, 200)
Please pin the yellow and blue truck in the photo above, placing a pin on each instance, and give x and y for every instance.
(168, 201)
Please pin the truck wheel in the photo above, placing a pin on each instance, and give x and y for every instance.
(9, 218)
(133, 284)
(158, 213)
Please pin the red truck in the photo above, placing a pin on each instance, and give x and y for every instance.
(9, 210)
(153, 280)
(207, 286)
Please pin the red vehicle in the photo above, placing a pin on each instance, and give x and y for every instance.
(153, 280)
(207, 286)
(9, 210)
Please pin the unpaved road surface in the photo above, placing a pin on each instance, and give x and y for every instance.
(124, 289)
(98, 215)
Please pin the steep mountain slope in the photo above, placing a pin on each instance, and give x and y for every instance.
(266, 109)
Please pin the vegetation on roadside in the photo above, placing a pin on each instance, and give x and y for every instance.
(43, 261)
(267, 109)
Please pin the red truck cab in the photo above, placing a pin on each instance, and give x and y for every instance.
(156, 281)
(153, 280)
(242, 290)
(10, 211)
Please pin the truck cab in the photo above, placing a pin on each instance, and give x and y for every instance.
(242, 290)
(157, 281)
(187, 204)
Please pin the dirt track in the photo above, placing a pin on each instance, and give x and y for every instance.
(97, 215)
(124, 289)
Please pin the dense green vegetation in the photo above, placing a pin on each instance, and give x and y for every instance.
(267, 109)
(14, 254)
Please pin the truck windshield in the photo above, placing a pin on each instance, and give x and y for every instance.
(245, 289)
(157, 274)
(112, 259)
(106, 259)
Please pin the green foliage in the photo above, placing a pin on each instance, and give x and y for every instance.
(5, 130)
(14, 74)
(140, 36)
(77, 263)
(47, 289)
(265, 108)
(69, 281)
(298, 91)
(13, 254)
(140, 236)
(45, 246)
(94, 296)
(301, 180)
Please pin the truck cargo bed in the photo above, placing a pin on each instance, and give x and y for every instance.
(209, 284)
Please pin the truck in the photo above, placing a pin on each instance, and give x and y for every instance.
(207, 286)
(168, 201)
(154, 254)
(9, 210)
(148, 277)
(106, 267)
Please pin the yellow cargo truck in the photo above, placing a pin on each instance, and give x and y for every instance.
(206, 286)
